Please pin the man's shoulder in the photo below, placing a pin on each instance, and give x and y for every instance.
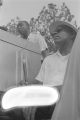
(50, 57)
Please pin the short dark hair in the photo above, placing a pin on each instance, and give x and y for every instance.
(23, 33)
(67, 29)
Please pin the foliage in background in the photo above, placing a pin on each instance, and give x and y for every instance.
(12, 26)
(4, 28)
(47, 15)
(50, 14)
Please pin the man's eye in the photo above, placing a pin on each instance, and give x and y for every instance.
(54, 34)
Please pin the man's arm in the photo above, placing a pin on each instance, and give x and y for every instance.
(35, 81)
(39, 79)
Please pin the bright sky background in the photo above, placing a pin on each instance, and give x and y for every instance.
(25, 9)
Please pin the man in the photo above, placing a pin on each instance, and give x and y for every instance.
(23, 28)
(54, 66)
(35, 37)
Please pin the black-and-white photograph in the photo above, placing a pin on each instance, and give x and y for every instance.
(39, 59)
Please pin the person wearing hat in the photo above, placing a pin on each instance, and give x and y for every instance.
(53, 68)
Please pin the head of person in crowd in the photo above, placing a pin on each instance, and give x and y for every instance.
(64, 35)
(23, 29)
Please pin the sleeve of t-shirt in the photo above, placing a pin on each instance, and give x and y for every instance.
(41, 75)
(37, 37)
(32, 37)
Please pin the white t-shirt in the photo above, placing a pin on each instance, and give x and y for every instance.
(53, 70)
(37, 37)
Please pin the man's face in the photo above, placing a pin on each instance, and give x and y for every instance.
(23, 29)
(61, 37)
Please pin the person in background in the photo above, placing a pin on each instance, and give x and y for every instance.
(24, 29)
(68, 106)
(35, 37)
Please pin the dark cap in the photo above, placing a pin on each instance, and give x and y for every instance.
(53, 26)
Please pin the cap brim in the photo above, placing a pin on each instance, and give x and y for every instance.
(54, 26)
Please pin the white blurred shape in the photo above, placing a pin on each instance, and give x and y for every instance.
(29, 96)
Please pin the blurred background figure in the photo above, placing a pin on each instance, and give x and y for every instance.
(23, 28)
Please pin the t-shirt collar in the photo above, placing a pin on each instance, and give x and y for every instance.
(60, 55)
